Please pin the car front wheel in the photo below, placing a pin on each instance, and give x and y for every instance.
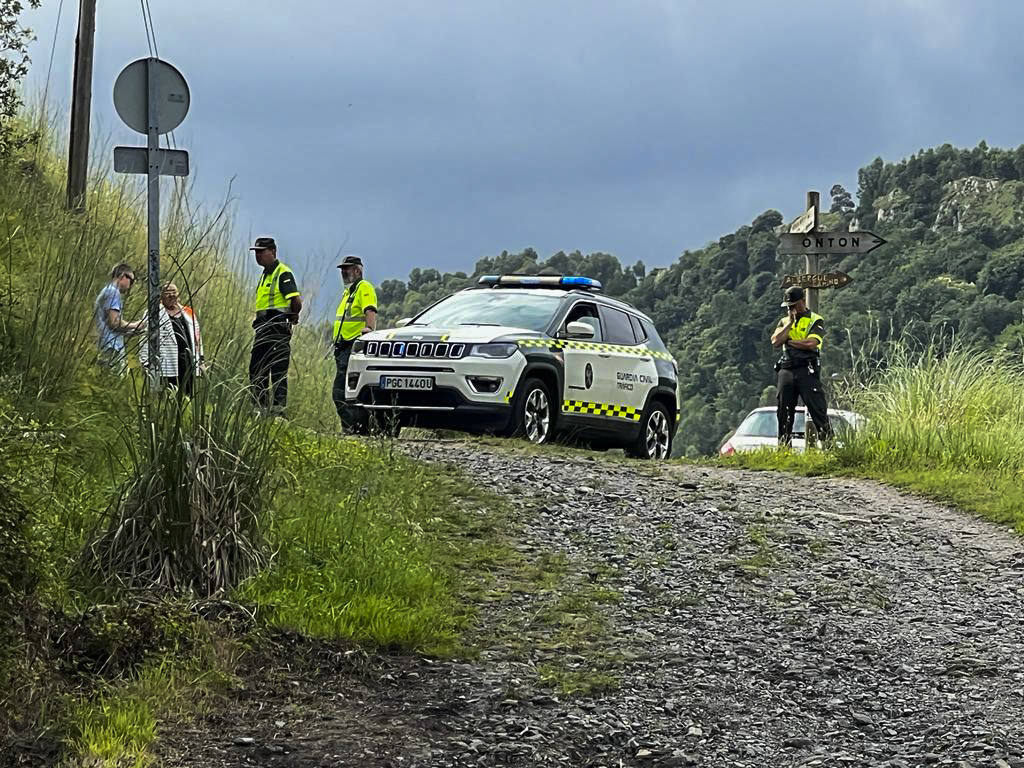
(655, 438)
(533, 416)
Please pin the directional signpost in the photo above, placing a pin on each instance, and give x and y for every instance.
(827, 280)
(152, 97)
(804, 237)
(832, 243)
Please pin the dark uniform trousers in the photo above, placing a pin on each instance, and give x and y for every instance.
(803, 382)
(342, 353)
(268, 365)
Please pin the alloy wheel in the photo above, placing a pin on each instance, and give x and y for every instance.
(657, 435)
(537, 416)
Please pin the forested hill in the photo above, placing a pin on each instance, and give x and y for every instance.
(954, 263)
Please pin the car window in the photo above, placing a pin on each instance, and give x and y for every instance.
(766, 424)
(618, 329)
(582, 312)
(514, 309)
(638, 329)
(653, 339)
(759, 424)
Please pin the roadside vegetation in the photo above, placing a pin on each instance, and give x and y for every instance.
(128, 598)
(944, 420)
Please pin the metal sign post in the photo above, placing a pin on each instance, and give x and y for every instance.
(152, 97)
(153, 219)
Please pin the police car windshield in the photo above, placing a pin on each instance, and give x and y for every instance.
(506, 307)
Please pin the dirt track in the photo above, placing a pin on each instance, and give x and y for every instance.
(717, 617)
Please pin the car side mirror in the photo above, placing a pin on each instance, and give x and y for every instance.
(578, 330)
(403, 322)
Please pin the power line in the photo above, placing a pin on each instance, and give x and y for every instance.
(145, 23)
(43, 113)
(53, 49)
(152, 26)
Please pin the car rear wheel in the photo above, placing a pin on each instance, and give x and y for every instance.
(655, 438)
(533, 416)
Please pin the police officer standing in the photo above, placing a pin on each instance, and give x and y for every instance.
(799, 368)
(278, 304)
(357, 314)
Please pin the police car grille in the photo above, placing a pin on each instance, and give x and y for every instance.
(432, 350)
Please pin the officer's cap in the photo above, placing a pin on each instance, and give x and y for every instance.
(351, 261)
(793, 294)
(264, 244)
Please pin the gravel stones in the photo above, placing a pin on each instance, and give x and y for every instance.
(748, 619)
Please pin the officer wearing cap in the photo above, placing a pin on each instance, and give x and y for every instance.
(357, 314)
(799, 334)
(278, 304)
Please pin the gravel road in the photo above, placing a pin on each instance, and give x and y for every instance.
(711, 618)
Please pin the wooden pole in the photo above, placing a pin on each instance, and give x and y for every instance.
(811, 265)
(81, 106)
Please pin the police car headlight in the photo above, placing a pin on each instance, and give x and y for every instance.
(494, 350)
(358, 347)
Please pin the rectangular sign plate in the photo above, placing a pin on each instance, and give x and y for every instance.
(844, 243)
(173, 162)
(414, 383)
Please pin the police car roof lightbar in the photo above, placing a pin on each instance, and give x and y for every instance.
(540, 281)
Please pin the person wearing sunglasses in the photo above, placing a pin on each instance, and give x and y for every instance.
(110, 325)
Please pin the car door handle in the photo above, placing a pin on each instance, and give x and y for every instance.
(645, 359)
(604, 354)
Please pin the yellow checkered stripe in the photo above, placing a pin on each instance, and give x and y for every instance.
(593, 345)
(601, 409)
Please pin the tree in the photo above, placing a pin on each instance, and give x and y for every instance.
(842, 202)
(14, 40)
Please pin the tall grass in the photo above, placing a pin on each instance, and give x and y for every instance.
(944, 419)
(199, 480)
(945, 406)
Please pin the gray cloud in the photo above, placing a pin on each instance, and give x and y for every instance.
(436, 133)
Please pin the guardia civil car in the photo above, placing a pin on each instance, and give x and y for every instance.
(532, 356)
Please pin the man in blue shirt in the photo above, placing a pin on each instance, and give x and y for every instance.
(110, 326)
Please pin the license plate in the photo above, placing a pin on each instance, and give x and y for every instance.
(418, 383)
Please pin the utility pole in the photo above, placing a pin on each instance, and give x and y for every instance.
(81, 105)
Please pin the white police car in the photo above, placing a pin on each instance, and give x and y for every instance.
(524, 355)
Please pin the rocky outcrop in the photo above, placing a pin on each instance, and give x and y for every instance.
(961, 198)
(891, 207)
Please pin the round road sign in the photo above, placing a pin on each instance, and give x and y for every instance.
(130, 96)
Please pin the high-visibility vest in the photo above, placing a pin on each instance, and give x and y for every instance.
(348, 328)
(802, 327)
(268, 293)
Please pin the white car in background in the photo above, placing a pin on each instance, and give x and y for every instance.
(760, 429)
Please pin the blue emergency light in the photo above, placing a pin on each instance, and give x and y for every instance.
(540, 281)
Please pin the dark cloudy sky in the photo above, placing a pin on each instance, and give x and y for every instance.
(432, 133)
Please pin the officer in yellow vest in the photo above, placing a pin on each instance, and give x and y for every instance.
(357, 314)
(799, 368)
(278, 304)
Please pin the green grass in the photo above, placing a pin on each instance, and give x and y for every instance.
(581, 681)
(946, 422)
(370, 565)
(338, 539)
(118, 724)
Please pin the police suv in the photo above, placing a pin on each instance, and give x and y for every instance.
(533, 356)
